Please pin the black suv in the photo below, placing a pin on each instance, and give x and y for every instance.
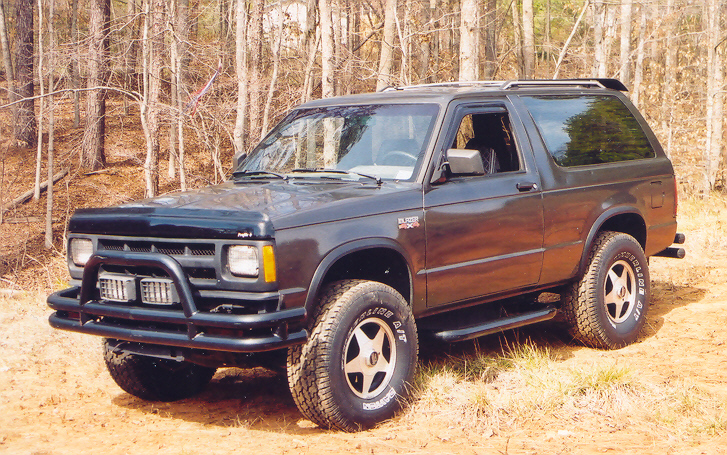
(363, 222)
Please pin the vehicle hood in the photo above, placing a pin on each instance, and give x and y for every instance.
(246, 210)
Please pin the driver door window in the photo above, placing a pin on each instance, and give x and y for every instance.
(490, 134)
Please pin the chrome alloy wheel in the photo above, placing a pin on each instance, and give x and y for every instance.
(370, 357)
(620, 291)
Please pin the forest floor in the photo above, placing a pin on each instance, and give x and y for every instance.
(530, 391)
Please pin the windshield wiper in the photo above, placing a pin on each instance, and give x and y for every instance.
(340, 171)
(258, 174)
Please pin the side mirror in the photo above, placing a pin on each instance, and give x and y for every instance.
(465, 162)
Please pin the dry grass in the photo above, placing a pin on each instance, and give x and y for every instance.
(528, 386)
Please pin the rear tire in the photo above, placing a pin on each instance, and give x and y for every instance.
(607, 307)
(359, 360)
(155, 379)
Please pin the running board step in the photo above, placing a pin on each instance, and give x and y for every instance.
(498, 325)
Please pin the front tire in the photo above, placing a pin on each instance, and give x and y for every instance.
(356, 366)
(607, 307)
(155, 379)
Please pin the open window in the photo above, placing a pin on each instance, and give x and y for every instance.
(490, 134)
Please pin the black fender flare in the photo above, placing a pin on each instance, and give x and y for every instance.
(347, 248)
(596, 227)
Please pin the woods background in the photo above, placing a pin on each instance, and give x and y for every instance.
(201, 80)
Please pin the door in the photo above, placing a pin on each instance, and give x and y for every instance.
(484, 232)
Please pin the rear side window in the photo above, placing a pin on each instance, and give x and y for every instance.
(583, 130)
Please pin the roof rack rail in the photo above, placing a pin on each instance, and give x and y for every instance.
(445, 85)
(613, 84)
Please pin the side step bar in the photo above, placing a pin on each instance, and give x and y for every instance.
(498, 325)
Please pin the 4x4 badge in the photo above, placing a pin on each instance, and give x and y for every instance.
(410, 222)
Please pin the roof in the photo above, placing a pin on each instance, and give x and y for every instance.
(444, 92)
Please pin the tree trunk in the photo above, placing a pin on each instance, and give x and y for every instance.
(424, 43)
(42, 103)
(51, 134)
(715, 79)
(24, 125)
(238, 134)
(490, 26)
(130, 35)
(92, 148)
(610, 35)
(255, 40)
(528, 39)
(667, 94)
(517, 32)
(7, 59)
(75, 70)
(174, 92)
(386, 57)
(639, 66)
(626, 9)
(183, 59)
(468, 41)
(328, 82)
(564, 50)
(156, 49)
(276, 68)
(599, 19)
(311, 39)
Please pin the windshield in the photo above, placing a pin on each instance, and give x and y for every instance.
(381, 141)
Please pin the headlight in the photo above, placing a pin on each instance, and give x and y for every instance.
(243, 260)
(81, 251)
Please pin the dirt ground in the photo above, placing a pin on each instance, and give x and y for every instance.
(56, 396)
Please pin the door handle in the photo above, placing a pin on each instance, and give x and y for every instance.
(526, 186)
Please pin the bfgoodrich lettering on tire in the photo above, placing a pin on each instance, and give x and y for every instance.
(607, 307)
(359, 359)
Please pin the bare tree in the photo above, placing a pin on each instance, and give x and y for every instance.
(599, 40)
(7, 59)
(241, 74)
(469, 40)
(42, 103)
(75, 70)
(528, 39)
(276, 68)
(517, 34)
(24, 125)
(639, 65)
(131, 44)
(669, 75)
(386, 57)
(51, 130)
(182, 76)
(93, 154)
(255, 67)
(715, 98)
(490, 33)
(155, 23)
(327, 49)
(311, 41)
(626, 8)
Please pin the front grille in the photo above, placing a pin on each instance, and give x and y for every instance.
(117, 288)
(170, 248)
(158, 291)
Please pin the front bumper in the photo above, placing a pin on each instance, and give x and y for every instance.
(79, 310)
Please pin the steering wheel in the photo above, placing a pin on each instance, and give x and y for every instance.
(395, 157)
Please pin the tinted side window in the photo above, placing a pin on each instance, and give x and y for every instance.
(582, 130)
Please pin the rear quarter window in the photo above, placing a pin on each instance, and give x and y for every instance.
(584, 130)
